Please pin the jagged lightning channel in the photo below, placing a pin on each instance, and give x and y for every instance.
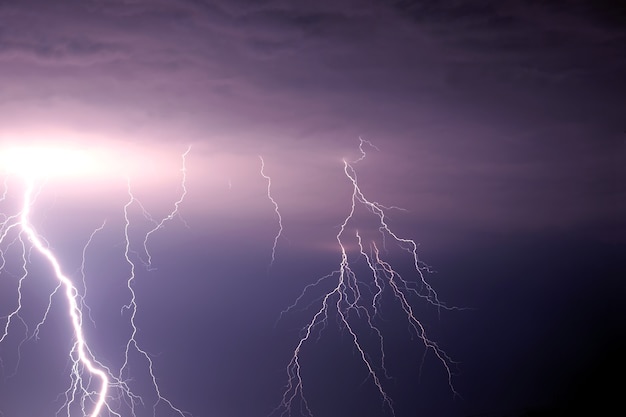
(132, 304)
(94, 390)
(80, 348)
(350, 304)
(276, 210)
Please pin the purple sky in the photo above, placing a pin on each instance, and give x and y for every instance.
(500, 129)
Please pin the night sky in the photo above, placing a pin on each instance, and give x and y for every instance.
(494, 134)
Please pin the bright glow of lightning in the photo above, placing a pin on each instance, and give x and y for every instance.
(354, 300)
(94, 389)
(45, 162)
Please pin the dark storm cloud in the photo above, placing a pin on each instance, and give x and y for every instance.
(509, 109)
(59, 51)
(525, 41)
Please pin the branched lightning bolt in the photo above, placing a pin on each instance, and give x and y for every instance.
(94, 390)
(276, 210)
(132, 304)
(351, 304)
(83, 360)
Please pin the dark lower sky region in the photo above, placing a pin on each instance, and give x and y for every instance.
(312, 208)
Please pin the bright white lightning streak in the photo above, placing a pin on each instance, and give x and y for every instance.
(86, 371)
(347, 300)
(276, 210)
(71, 294)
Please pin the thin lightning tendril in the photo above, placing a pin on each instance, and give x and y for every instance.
(276, 210)
(174, 212)
(350, 305)
(94, 390)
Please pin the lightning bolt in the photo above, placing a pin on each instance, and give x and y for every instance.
(80, 354)
(354, 300)
(170, 216)
(95, 390)
(276, 210)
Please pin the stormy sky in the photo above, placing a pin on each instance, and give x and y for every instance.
(498, 128)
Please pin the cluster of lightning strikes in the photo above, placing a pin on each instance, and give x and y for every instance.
(353, 300)
(95, 389)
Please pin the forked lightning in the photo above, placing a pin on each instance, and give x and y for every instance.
(356, 301)
(95, 390)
